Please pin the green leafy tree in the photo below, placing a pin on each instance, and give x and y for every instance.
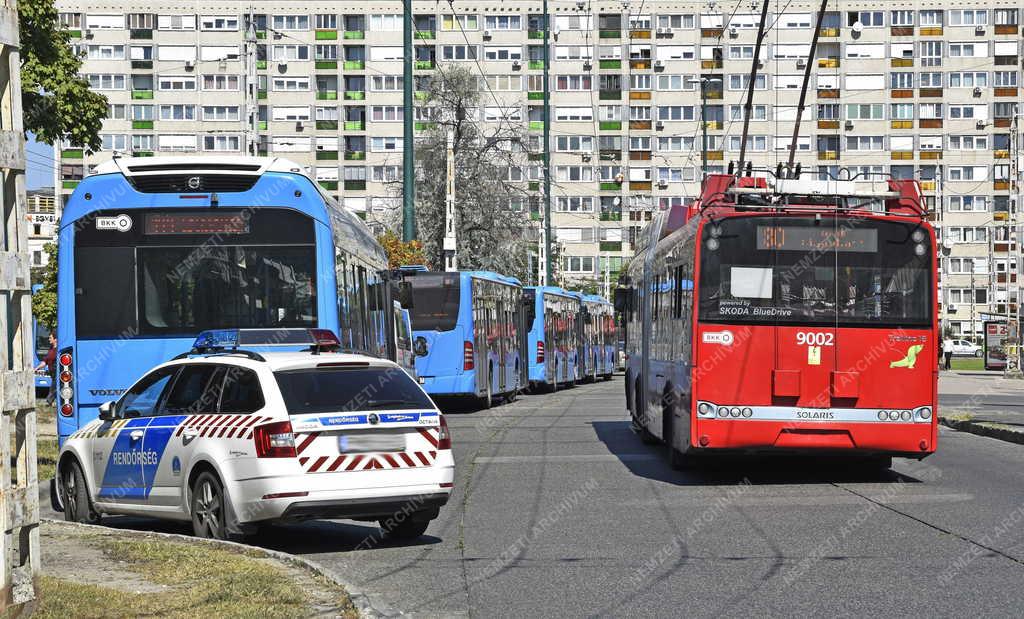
(44, 302)
(57, 103)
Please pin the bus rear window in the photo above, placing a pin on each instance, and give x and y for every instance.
(331, 390)
(435, 302)
(798, 271)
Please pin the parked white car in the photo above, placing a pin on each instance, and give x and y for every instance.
(962, 348)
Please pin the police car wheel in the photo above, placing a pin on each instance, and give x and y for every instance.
(208, 514)
(404, 530)
(77, 507)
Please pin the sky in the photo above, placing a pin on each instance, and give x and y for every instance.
(40, 164)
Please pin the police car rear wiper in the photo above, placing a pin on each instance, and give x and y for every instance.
(387, 403)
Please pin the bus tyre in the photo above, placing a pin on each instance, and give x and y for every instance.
(639, 426)
(209, 516)
(77, 506)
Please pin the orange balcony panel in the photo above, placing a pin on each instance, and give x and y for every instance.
(640, 125)
(1006, 92)
(716, 155)
(902, 31)
(714, 125)
(828, 32)
(902, 62)
(1000, 154)
(903, 94)
(828, 63)
(931, 31)
(640, 94)
(828, 93)
(902, 124)
(711, 33)
(828, 155)
(931, 154)
(902, 154)
(828, 124)
(1001, 185)
(640, 185)
(1002, 122)
(929, 92)
(710, 64)
(639, 34)
(1006, 29)
(930, 123)
(927, 185)
(639, 64)
(639, 155)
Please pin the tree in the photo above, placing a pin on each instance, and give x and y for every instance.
(44, 302)
(401, 253)
(491, 234)
(57, 103)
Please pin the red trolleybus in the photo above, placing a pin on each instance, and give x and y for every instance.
(785, 315)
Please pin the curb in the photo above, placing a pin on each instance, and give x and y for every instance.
(983, 429)
(359, 599)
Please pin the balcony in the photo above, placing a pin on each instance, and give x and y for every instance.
(609, 34)
(355, 95)
(329, 185)
(640, 185)
(902, 155)
(423, 125)
(609, 125)
(828, 124)
(929, 92)
(72, 153)
(610, 245)
(423, 65)
(142, 64)
(1005, 92)
(640, 65)
(354, 35)
(326, 155)
(75, 34)
(355, 155)
(609, 186)
(902, 93)
(612, 154)
(901, 62)
(1000, 154)
(355, 185)
(901, 31)
(536, 125)
(142, 153)
(828, 155)
(828, 63)
(640, 95)
(139, 34)
(710, 64)
(535, 34)
(714, 125)
(535, 96)
(639, 155)
(927, 185)
(609, 64)
(425, 35)
(930, 154)
(327, 125)
(69, 184)
(329, 65)
(902, 124)
(639, 34)
(261, 125)
(711, 33)
(261, 65)
(355, 125)
(1006, 29)
(261, 34)
(142, 124)
(611, 216)
(931, 31)
(828, 32)
(533, 186)
(828, 93)
(609, 95)
(326, 35)
(1001, 185)
(640, 125)
(535, 65)
(327, 95)
(142, 94)
(1006, 61)
(716, 155)
(1002, 122)
(354, 65)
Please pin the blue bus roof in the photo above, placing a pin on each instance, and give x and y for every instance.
(491, 275)
(593, 298)
(555, 290)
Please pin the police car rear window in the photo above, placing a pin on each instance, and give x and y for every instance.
(340, 389)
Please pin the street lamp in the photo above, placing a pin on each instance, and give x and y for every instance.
(704, 81)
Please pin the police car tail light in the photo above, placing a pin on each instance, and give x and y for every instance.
(540, 352)
(444, 437)
(274, 440)
(66, 386)
(467, 355)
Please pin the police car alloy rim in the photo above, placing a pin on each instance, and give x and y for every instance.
(208, 508)
(70, 492)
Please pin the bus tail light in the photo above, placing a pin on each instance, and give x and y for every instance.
(467, 356)
(65, 386)
(540, 352)
(274, 440)
(444, 437)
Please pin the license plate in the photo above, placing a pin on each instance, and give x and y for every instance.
(375, 442)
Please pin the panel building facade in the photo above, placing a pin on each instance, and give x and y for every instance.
(909, 89)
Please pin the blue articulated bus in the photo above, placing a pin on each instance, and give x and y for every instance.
(466, 333)
(598, 339)
(554, 336)
(155, 250)
(41, 345)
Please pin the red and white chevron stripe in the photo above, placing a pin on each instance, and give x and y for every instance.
(221, 426)
(367, 462)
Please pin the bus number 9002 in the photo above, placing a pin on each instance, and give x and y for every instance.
(810, 338)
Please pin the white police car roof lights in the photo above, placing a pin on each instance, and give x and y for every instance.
(230, 341)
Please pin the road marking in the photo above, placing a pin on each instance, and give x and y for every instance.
(815, 500)
(569, 458)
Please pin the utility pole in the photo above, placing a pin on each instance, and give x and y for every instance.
(548, 273)
(450, 244)
(1013, 339)
(251, 86)
(408, 152)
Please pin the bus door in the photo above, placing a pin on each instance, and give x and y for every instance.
(481, 329)
(526, 307)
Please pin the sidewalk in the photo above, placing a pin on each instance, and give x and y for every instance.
(982, 403)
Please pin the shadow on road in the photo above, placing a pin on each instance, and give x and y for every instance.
(651, 461)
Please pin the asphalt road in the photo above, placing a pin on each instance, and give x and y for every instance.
(559, 510)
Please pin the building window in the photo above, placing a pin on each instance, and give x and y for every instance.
(968, 17)
(177, 112)
(176, 82)
(176, 22)
(865, 111)
(578, 264)
(385, 144)
(219, 23)
(221, 143)
(968, 203)
(459, 22)
(220, 82)
(220, 112)
(107, 81)
(291, 22)
(503, 22)
(868, 19)
(289, 52)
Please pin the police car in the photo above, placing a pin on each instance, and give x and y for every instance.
(230, 438)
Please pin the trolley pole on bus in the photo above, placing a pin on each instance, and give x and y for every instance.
(408, 153)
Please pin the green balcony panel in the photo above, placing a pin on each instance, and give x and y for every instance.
(535, 157)
(423, 125)
(331, 185)
(535, 64)
(327, 125)
(609, 34)
(355, 34)
(261, 94)
(533, 186)
(535, 34)
(354, 65)
(142, 124)
(326, 64)
(420, 95)
(326, 35)
(72, 153)
(536, 125)
(610, 125)
(262, 65)
(142, 64)
(611, 216)
(261, 34)
(355, 95)
(535, 96)
(535, 216)
(140, 33)
(361, 214)
(355, 155)
(327, 95)
(610, 246)
(326, 155)
(423, 65)
(261, 125)
(70, 184)
(355, 185)
(355, 125)
(75, 34)
(609, 95)
(142, 153)
(142, 94)
(424, 34)
(609, 64)
(609, 186)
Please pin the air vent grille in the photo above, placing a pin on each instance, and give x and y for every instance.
(186, 183)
